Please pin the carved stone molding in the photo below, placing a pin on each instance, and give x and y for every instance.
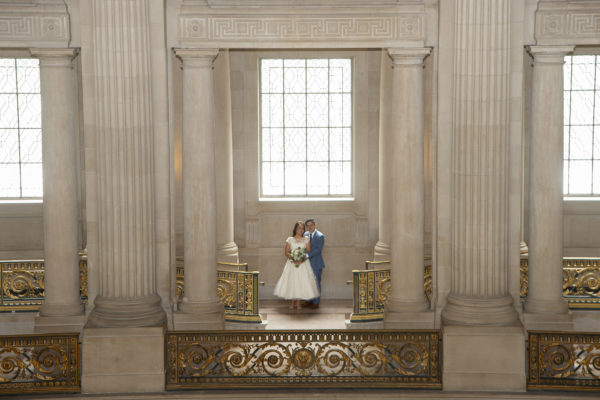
(568, 22)
(34, 24)
(302, 27)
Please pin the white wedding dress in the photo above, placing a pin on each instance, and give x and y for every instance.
(297, 281)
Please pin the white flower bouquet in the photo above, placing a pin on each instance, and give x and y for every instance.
(297, 255)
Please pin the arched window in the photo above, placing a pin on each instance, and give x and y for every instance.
(306, 127)
(20, 129)
(582, 126)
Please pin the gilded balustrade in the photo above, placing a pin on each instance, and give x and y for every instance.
(310, 359)
(371, 289)
(564, 361)
(39, 364)
(238, 290)
(581, 281)
(22, 284)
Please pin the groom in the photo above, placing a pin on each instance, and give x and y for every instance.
(317, 240)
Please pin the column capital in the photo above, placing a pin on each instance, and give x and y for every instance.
(408, 55)
(549, 54)
(57, 57)
(197, 58)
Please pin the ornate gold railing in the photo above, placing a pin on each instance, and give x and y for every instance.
(581, 281)
(238, 290)
(564, 361)
(39, 363)
(22, 284)
(371, 289)
(311, 359)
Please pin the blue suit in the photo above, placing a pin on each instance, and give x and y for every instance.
(316, 259)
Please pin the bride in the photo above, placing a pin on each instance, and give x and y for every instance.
(297, 281)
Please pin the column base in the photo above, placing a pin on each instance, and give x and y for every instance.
(228, 253)
(548, 322)
(61, 310)
(382, 252)
(59, 324)
(127, 312)
(484, 358)
(191, 316)
(123, 360)
(546, 307)
(462, 310)
(408, 320)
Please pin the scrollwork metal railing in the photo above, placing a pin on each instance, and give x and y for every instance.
(564, 361)
(581, 281)
(235, 359)
(371, 289)
(39, 364)
(22, 284)
(237, 290)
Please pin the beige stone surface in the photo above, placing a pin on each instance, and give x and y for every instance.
(484, 358)
(122, 360)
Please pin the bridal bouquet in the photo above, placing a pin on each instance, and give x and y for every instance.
(298, 254)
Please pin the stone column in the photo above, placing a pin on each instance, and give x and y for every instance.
(227, 250)
(407, 306)
(545, 306)
(127, 294)
(200, 308)
(62, 309)
(382, 247)
(479, 291)
(127, 319)
(479, 316)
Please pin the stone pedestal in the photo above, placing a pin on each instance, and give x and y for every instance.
(123, 360)
(484, 358)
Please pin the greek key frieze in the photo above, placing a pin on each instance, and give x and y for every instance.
(284, 28)
(574, 27)
(34, 28)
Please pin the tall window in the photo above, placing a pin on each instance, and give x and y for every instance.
(582, 126)
(306, 127)
(20, 129)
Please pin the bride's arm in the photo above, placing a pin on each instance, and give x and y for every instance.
(308, 247)
(287, 250)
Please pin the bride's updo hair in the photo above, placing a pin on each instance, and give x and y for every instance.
(299, 223)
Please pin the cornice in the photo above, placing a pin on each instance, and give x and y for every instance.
(39, 23)
(571, 22)
(306, 27)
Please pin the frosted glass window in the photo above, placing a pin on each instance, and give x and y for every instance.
(582, 126)
(20, 129)
(306, 127)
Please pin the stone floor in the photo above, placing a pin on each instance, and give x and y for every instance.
(331, 314)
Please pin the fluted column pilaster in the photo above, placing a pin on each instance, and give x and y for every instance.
(125, 172)
(545, 183)
(479, 289)
(382, 249)
(227, 249)
(200, 303)
(60, 216)
(407, 189)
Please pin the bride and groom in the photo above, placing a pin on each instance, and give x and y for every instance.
(301, 277)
